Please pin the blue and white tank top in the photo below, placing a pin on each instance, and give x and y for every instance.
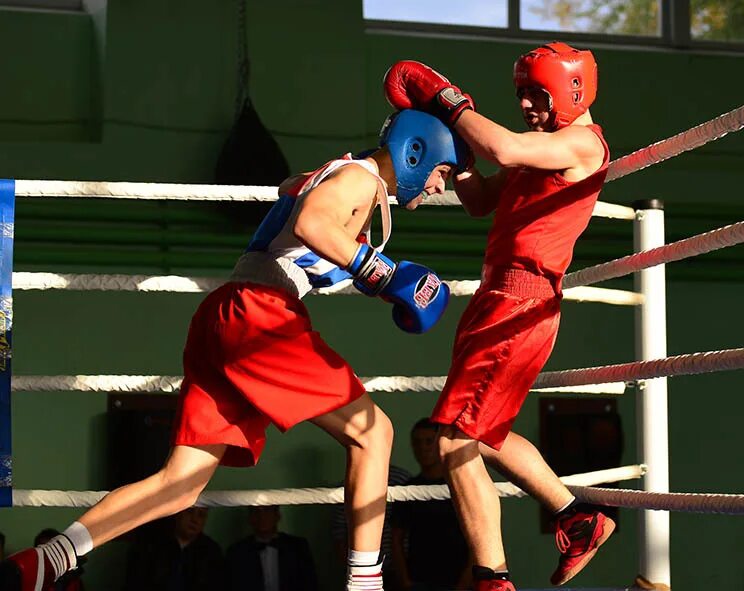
(274, 255)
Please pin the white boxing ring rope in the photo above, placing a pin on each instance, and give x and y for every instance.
(128, 384)
(636, 499)
(693, 138)
(676, 251)
(611, 379)
(309, 496)
(649, 301)
(581, 485)
(692, 363)
(174, 283)
(232, 193)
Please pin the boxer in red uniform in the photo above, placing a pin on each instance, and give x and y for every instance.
(542, 198)
(252, 357)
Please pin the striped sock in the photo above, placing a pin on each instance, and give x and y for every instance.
(61, 554)
(364, 571)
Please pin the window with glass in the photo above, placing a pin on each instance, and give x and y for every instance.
(680, 23)
(717, 20)
(606, 17)
(76, 5)
(473, 13)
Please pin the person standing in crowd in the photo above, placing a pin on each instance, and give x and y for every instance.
(181, 557)
(269, 559)
(429, 551)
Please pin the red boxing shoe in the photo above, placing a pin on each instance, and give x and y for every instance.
(27, 570)
(578, 535)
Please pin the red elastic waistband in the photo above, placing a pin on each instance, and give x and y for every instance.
(519, 282)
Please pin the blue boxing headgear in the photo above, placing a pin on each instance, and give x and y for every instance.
(418, 143)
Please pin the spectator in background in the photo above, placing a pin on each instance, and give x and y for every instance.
(429, 551)
(180, 557)
(270, 560)
(72, 580)
(2, 546)
(339, 532)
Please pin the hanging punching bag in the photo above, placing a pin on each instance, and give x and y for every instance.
(250, 155)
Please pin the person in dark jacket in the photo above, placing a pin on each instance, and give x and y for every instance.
(178, 558)
(270, 560)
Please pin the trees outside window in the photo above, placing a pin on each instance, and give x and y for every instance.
(717, 23)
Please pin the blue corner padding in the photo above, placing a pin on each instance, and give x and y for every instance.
(7, 216)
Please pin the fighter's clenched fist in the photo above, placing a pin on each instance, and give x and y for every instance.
(412, 85)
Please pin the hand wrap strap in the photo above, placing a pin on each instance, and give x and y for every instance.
(372, 270)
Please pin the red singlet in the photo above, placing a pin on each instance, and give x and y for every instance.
(508, 330)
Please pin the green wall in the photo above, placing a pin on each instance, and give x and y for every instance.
(145, 91)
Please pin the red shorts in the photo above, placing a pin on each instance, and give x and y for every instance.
(252, 358)
(502, 343)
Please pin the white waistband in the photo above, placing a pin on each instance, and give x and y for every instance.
(266, 269)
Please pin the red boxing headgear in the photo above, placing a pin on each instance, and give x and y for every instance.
(568, 75)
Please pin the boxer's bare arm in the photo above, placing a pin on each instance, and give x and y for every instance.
(330, 216)
(574, 149)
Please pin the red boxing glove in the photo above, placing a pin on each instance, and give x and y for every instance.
(413, 85)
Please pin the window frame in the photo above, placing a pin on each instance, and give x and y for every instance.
(675, 31)
(48, 5)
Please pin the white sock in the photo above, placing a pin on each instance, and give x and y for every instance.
(566, 506)
(359, 558)
(364, 573)
(61, 554)
(79, 535)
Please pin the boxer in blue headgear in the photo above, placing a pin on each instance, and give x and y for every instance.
(417, 143)
(252, 357)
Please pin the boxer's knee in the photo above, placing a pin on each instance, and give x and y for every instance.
(186, 473)
(455, 447)
(377, 436)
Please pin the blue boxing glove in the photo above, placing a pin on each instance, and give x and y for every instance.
(418, 296)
